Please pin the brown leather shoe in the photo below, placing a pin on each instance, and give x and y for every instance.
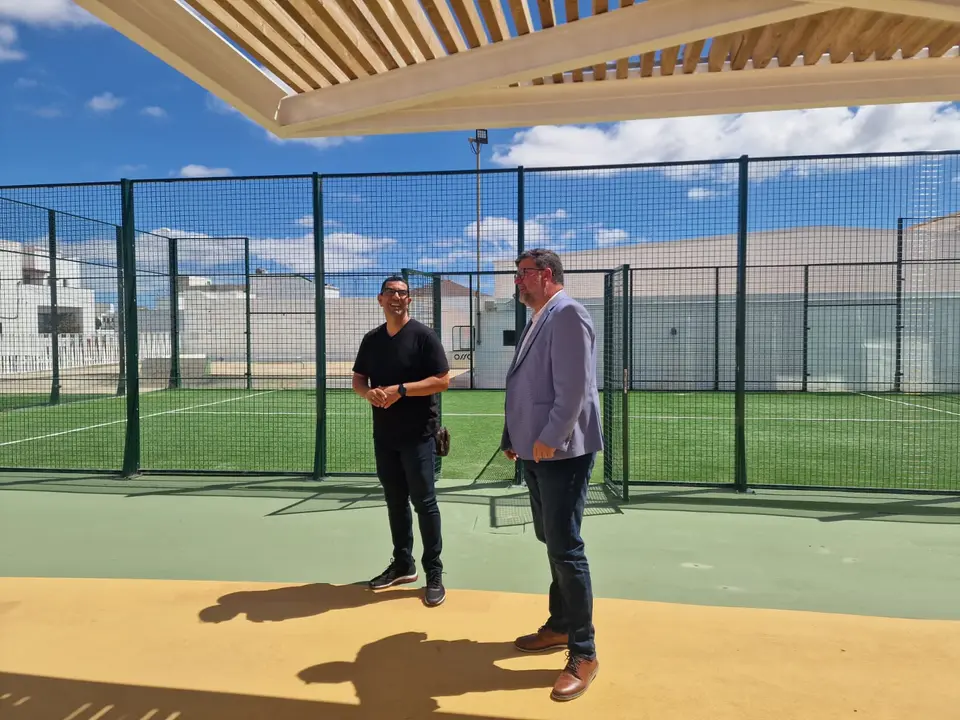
(575, 678)
(543, 639)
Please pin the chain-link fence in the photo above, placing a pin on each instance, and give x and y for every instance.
(773, 322)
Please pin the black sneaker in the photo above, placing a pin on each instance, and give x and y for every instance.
(434, 594)
(393, 575)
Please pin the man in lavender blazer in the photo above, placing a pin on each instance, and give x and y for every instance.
(552, 423)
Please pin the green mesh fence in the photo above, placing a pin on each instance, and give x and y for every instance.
(789, 322)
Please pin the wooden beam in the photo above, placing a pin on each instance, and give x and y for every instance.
(702, 93)
(622, 32)
(947, 10)
(177, 37)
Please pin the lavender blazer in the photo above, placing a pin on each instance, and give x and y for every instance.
(551, 387)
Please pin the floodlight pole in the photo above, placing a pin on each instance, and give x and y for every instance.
(480, 138)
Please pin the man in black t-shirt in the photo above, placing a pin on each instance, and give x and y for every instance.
(400, 369)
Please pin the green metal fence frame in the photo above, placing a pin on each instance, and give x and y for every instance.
(128, 384)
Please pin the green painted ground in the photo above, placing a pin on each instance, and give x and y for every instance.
(878, 555)
(833, 440)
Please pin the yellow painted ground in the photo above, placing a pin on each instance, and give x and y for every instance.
(165, 650)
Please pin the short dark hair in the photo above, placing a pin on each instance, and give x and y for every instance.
(394, 278)
(543, 259)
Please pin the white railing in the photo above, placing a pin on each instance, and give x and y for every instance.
(30, 353)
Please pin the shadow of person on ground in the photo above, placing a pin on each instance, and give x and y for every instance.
(299, 601)
(404, 674)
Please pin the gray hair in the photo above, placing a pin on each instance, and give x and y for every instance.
(543, 259)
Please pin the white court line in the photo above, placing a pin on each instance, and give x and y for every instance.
(632, 417)
(142, 417)
(247, 412)
(908, 404)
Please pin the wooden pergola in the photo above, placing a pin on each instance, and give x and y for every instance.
(369, 67)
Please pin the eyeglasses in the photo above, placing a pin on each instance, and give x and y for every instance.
(522, 272)
(398, 293)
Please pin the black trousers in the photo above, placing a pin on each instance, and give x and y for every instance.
(406, 472)
(558, 492)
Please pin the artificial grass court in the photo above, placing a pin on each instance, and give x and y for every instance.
(799, 439)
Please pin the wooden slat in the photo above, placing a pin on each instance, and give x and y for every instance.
(284, 35)
(947, 38)
(692, 53)
(890, 43)
(573, 14)
(668, 59)
(291, 26)
(417, 23)
(439, 13)
(263, 50)
(496, 21)
(332, 30)
(396, 29)
(623, 64)
(521, 16)
(719, 51)
(867, 44)
(825, 34)
(769, 43)
(600, 69)
(916, 41)
(852, 28)
(750, 40)
(648, 61)
(369, 27)
(470, 22)
(796, 39)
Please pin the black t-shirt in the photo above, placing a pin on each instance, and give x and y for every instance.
(415, 353)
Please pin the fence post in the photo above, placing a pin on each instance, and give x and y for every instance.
(131, 453)
(520, 311)
(805, 371)
(898, 329)
(740, 448)
(247, 329)
(438, 329)
(716, 328)
(173, 266)
(608, 378)
(627, 343)
(121, 323)
(54, 309)
(320, 329)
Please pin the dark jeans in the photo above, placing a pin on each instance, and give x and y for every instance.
(558, 492)
(406, 472)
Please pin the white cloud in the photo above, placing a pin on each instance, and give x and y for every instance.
(154, 111)
(54, 13)
(321, 143)
(8, 40)
(606, 237)
(558, 214)
(105, 102)
(886, 128)
(498, 241)
(700, 193)
(49, 112)
(307, 221)
(202, 171)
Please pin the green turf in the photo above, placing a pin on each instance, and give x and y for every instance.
(834, 440)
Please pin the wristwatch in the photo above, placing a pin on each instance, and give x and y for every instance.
(401, 388)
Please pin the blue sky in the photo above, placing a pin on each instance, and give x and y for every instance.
(79, 102)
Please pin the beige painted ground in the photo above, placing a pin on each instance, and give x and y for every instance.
(165, 650)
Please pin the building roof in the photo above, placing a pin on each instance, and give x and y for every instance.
(840, 260)
(305, 68)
